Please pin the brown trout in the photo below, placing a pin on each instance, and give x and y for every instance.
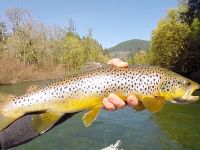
(150, 84)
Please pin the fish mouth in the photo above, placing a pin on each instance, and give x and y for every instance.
(189, 97)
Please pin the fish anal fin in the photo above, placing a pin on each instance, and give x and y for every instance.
(42, 122)
(153, 104)
(91, 115)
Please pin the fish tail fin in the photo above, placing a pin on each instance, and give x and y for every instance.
(6, 117)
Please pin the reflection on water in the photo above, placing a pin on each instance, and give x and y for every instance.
(175, 127)
(181, 124)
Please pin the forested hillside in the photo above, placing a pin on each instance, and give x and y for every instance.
(125, 50)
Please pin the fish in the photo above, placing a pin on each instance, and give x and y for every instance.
(152, 85)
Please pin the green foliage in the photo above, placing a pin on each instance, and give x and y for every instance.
(169, 41)
(192, 11)
(140, 57)
(194, 45)
(73, 54)
(81, 51)
(35, 43)
(93, 50)
(176, 41)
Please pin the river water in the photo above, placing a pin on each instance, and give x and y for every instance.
(175, 127)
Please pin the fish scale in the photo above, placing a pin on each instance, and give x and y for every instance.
(150, 84)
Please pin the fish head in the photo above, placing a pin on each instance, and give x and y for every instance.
(179, 89)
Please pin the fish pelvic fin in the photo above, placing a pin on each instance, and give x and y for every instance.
(91, 115)
(139, 107)
(43, 122)
(7, 119)
(153, 104)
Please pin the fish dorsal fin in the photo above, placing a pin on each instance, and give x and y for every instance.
(42, 122)
(91, 66)
(91, 115)
(153, 104)
(31, 89)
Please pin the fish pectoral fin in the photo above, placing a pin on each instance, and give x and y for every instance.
(42, 122)
(6, 120)
(91, 115)
(139, 107)
(153, 104)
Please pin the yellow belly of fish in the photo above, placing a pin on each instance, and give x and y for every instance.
(93, 103)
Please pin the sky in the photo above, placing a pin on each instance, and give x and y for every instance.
(112, 21)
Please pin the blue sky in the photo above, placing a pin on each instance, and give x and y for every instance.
(113, 21)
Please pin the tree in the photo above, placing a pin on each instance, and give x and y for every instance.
(194, 46)
(140, 57)
(73, 54)
(71, 26)
(192, 11)
(89, 33)
(2, 31)
(170, 43)
(191, 15)
(2, 36)
(93, 51)
(17, 17)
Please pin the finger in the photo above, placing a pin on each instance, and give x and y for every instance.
(132, 101)
(111, 61)
(108, 105)
(117, 62)
(116, 101)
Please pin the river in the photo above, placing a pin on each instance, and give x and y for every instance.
(175, 127)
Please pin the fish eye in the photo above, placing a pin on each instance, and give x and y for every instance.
(188, 84)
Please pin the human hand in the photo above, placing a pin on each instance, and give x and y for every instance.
(113, 102)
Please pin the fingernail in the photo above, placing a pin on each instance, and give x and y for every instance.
(111, 95)
(131, 100)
